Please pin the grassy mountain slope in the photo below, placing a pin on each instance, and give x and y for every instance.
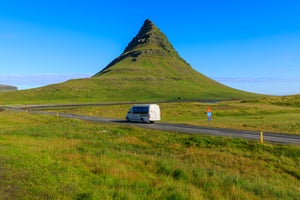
(148, 69)
(153, 65)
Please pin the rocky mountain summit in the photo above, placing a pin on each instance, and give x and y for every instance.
(149, 41)
(150, 35)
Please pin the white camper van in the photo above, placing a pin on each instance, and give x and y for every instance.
(144, 113)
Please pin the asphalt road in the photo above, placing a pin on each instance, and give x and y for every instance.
(182, 128)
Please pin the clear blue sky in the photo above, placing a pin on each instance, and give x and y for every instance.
(252, 45)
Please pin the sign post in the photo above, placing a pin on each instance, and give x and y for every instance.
(209, 114)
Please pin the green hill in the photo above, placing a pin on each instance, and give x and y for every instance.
(4, 88)
(149, 69)
(290, 100)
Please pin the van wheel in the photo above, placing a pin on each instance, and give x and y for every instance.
(127, 119)
(151, 122)
(142, 120)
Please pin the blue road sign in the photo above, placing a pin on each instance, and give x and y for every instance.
(208, 116)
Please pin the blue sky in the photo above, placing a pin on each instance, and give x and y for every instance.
(252, 45)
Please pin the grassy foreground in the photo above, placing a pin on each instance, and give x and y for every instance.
(47, 157)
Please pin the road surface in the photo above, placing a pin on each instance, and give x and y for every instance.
(182, 128)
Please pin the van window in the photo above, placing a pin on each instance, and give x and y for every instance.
(140, 110)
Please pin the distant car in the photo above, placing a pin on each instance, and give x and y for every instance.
(144, 113)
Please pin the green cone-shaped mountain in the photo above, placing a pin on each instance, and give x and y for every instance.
(149, 69)
(150, 66)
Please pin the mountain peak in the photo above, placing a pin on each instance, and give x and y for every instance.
(149, 41)
(150, 38)
(143, 36)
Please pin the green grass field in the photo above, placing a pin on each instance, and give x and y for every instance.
(47, 157)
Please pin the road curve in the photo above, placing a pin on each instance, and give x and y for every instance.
(183, 128)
